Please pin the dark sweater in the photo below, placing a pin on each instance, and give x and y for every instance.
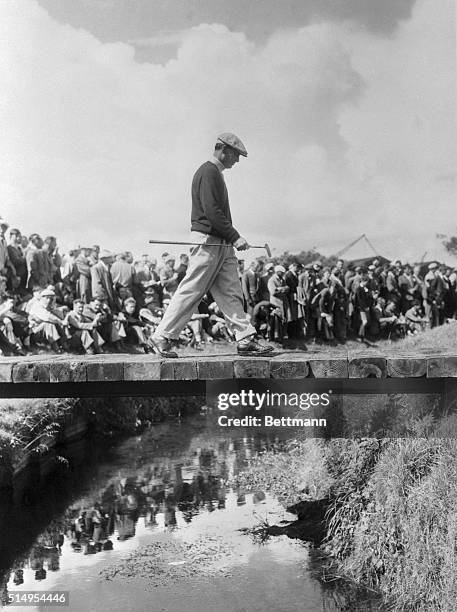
(210, 204)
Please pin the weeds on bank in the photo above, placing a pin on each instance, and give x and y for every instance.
(392, 519)
(29, 424)
(393, 524)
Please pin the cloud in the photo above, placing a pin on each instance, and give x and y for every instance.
(347, 132)
(128, 19)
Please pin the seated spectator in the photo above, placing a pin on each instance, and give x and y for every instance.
(218, 325)
(136, 328)
(195, 327)
(46, 323)
(169, 277)
(384, 320)
(108, 325)
(415, 320)
(20, 335)
(83, 330)
(9, 342)
(182, 268)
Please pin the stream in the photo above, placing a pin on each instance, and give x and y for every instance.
(151, 523)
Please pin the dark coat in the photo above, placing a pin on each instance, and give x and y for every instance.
(102, 284)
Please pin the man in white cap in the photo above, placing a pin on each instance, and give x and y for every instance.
(45, 322)
(212, 268)
(102, 282)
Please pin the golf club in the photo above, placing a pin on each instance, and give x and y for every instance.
(251, 246)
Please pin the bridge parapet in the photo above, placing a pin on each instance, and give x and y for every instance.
(292, 365)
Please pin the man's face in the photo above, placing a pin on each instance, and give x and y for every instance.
(16, 239)
(230, 157)
(3, 229)
(78, 308)
(38, 242)
(46, 300)
(96, 305)
(130, 308)
(49, 246)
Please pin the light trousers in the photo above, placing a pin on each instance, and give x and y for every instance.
(212, 269)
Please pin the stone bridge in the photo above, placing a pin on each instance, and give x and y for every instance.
(143, 375)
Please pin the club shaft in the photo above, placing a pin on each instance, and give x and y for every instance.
(251, 246)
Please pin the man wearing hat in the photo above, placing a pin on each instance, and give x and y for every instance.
(102, 282)
(45, 322)
(434, 289)
(212, 268)
(263, 294)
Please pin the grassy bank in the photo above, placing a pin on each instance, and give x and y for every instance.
(31, 425)
(391, 523)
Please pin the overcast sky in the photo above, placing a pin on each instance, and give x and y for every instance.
(346, 107)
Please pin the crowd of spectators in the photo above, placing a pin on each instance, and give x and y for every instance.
(91, 300)
(344, 301)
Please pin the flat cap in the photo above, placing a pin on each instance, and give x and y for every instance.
(280, 268)
(47, 292)
(106, 254)
(432, 266)
(233, 141)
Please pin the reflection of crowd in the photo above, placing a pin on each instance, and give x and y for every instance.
(157, 494)
(90, 300)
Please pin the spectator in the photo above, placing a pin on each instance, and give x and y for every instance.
(82, 267)
(122, 273)
(250, 285)
(169, 277)
(52, 260)
(263, 294)
(102, 282)
(182, 268)
(83, 329)
(17, 257)
(36, 267)
(46, 322)
(279, 300)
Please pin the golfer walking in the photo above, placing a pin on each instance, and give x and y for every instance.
(212, 268)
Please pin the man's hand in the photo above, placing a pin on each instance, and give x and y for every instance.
(241, 244)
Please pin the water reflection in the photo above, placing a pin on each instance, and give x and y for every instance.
(167, 475)
(171, 481)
